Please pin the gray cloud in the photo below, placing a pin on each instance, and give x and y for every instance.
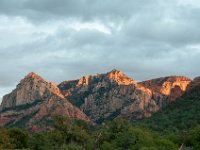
(82, 9)
(66, 39)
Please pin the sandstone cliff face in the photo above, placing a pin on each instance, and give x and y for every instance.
(105, 96)
(35, 101)
(172, 86)
(30, 89)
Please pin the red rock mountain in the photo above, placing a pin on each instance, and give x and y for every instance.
(172, 86)
(30, 89)
(101, 97)
(105, 96)
(34, 101)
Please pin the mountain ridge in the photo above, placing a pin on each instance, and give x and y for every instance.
(97, 97)
(118, 81)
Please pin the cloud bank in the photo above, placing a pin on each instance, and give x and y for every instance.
(66, 39)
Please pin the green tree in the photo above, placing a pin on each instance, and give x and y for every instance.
(19, 138)
(40, 141)
(120, 135)
(68, 132)
(193, 138)
(5, 141)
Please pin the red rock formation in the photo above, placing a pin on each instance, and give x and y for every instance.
(35, 100)
(105, 96)
(172, 86)
(31, 88)
(101, 97)
(120, 78)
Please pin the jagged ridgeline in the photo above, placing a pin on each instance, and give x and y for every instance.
(94, 98)
(105, 96)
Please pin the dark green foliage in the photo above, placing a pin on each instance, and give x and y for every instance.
(13, 138)
(5, 141)
(69, 133)
(120, 135)
(40, 141)
(18, 138)
(193, 138)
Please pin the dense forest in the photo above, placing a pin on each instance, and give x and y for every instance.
(116, 135)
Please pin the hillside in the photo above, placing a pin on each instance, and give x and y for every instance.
(181, 115)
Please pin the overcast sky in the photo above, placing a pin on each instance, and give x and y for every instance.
(66, 39)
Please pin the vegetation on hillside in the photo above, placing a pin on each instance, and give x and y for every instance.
(78, 135)
(178, 117)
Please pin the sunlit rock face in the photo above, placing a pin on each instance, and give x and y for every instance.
(105, 96)
(84, 80)
(120, 78)
(172, 86)
(36, 101)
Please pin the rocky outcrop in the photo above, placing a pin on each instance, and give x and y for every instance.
(120, 78)
(172, 86)
(34, 102)
(105, 96)
(30, 89)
